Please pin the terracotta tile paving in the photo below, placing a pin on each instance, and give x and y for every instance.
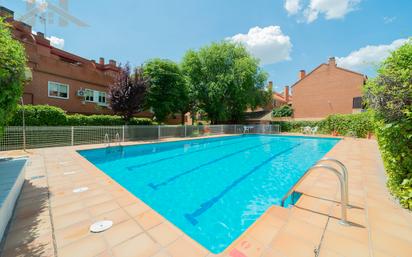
(51, 220)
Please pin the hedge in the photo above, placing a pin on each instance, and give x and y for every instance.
(358, 125)
(389, 96)
(45, 115)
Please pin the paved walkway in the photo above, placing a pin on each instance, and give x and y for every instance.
(50, 220)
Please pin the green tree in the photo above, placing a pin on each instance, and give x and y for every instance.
(283, 111)
(168, 91)
(12, 73)
(389, 95)
(226, 80)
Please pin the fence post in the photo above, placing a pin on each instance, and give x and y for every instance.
(123, 133)
(158, 132)
(72, 135)
(185, 130)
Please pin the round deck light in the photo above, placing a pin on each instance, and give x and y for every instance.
(80, 189)
(101, 226)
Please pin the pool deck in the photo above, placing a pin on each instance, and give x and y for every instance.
(51, 220)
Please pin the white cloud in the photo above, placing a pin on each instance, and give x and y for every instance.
(369, 55)
(56, 42)
(388, 20)
(292, 6)
(331, 9)
(268, 44)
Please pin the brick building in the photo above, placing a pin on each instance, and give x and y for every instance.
(326, 90)
(59, 78)
(63, 79)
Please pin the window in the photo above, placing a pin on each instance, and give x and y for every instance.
(58, 90)
(358, 103)
(89, 95)
(95, 96)
(102, 97)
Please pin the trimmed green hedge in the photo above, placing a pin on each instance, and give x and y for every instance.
(358, 125)
(45, 115)
(295, 126)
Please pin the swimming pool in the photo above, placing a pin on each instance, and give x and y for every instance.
(212, 189)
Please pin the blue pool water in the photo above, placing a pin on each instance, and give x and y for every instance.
(212, 189)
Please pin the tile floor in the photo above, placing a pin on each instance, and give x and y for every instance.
(51, 220)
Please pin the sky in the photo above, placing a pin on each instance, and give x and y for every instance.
(285, 35)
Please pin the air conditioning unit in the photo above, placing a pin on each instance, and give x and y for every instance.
(80, 92)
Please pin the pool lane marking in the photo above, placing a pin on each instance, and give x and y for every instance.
(191, 217)
(156, 186)
(179, 155)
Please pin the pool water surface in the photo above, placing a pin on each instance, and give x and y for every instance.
(212, 189)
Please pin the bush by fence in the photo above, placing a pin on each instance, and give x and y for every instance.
(45, 115)
(358, 125)
(389, 96)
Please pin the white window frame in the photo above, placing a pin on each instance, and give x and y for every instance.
(96, 94)
(85, 92)
(105, 98)
(60, 84)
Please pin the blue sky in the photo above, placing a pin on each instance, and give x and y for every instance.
(291, 34)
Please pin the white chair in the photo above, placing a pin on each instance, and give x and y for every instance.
(314, 130)
(307, 130)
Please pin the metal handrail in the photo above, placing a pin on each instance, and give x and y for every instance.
(345, 176)
(340, 176)
(117, 138)
(107, 140)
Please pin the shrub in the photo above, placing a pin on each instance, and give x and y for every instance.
(45, 115)
(295, 126)
(39, 115)
(358, 125)
(12, 73)
(94, 120)
(283, 111)
(390, 98)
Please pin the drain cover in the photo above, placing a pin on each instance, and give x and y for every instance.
(101, 226)
(80, 189)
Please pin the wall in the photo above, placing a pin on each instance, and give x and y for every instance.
(327, 90)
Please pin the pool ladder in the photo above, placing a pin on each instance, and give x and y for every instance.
(343, 181)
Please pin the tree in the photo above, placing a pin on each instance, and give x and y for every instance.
(226, 80)
(168, 91)
(127, 93)
(389, 96)
(283, 111)
(12, 73)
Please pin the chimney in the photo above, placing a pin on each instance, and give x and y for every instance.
(112, 62)
(302, 74)
(7, 13)
(40, 34)
(332, 61)
(270, 86)
(286, 94)
(101, 60)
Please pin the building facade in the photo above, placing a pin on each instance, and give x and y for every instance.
(327, 90)
(62, 79)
